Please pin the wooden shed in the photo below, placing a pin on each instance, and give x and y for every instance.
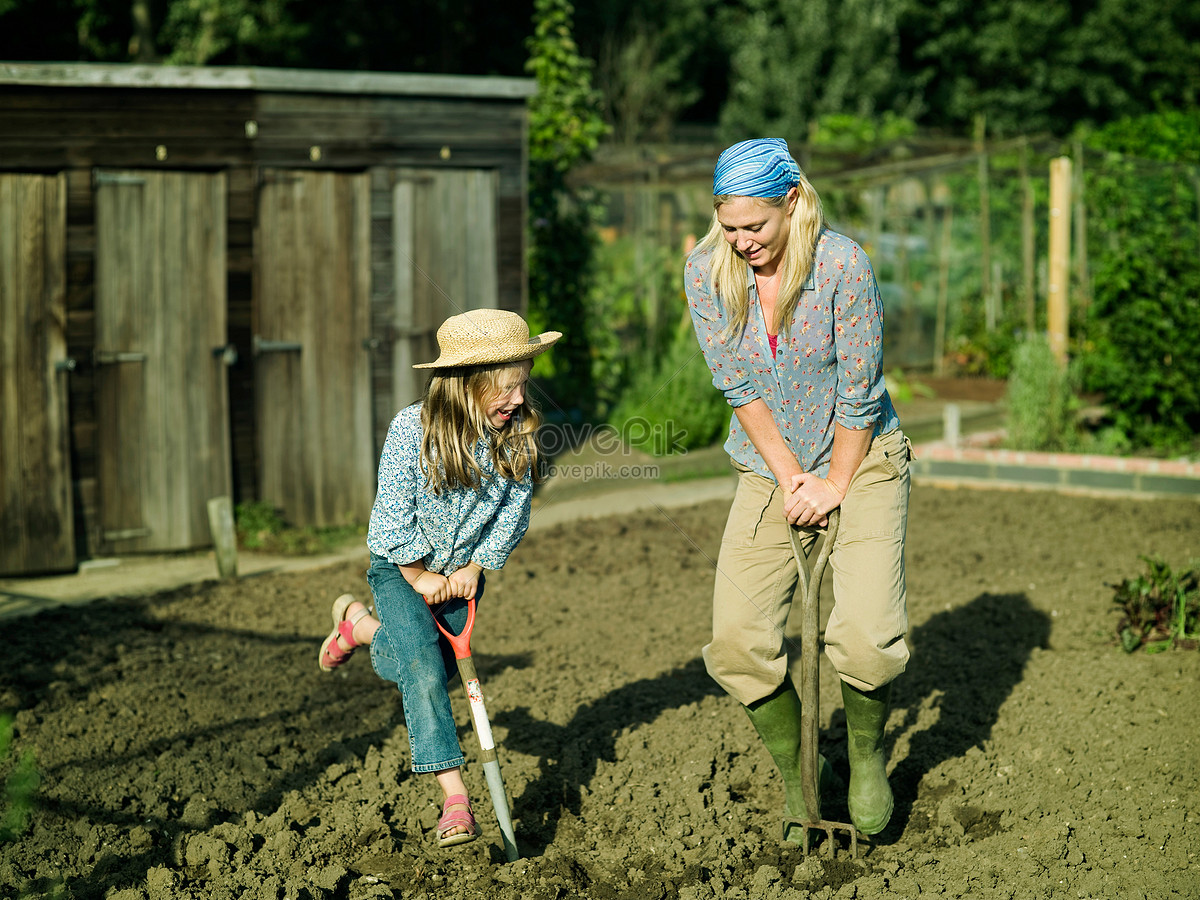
(214, 281)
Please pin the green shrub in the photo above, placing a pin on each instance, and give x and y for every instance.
(672, 407)
(633, 305)
(1142, 347)
(1160, 609)
(1040, 401)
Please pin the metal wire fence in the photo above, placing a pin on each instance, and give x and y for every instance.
(958, 232)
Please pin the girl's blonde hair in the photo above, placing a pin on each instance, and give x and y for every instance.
(728, 267)
(454, 419)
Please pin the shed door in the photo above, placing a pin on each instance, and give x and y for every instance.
(161, 385)
(37, 531)
(444, 246)
(312, 363)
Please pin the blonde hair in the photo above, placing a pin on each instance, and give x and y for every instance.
(454, 419)
(728, 267)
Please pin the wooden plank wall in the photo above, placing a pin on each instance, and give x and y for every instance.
(73, 130)
(162, 397)
(313, 368)
(36, 519)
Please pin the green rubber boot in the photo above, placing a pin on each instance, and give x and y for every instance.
(870, 796)
(777, 719)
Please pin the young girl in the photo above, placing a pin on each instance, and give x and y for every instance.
(455, 480)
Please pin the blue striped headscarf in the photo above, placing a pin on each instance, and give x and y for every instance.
(762, 167)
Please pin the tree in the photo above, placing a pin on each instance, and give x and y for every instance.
(237, 32)
(1046, 65)
(647, 54)
(795, 60)
(1129, 56)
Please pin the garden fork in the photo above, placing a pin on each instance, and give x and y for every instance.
(810, 761)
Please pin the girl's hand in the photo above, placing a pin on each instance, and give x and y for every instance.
(812, 499)
(436, 588)
(465, 581)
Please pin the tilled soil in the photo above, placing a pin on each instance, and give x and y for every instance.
(189, 747)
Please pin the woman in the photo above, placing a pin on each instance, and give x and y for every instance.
(789, 318)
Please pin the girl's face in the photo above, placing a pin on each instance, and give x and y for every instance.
(756, 229)
(499, 408)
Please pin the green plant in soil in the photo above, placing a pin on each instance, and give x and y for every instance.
(19, 787)
(1160, 609)
(261, 527)
(1040, 400)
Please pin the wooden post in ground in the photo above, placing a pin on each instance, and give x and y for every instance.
(943, 287)
(1060, 256)
(1028, 244)
(985, 213)
(224, 535)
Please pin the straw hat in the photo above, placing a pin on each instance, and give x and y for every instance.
(483, 336)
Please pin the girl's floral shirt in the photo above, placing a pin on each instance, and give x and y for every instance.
(408, 522)
(828, 369)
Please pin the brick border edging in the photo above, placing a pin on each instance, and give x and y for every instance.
(1072, 471)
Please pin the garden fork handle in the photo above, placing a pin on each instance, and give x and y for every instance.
(810, 623)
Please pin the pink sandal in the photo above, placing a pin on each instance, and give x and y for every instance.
(332, 655)
(463, 818)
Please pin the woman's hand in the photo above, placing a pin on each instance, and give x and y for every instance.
(812, 499)
(435, 588)
(465, 581)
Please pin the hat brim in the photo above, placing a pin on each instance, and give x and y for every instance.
(487, 356)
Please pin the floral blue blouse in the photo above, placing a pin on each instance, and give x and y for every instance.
(408, 522)
(829, 369)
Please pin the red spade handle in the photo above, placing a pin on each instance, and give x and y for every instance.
(461, 642)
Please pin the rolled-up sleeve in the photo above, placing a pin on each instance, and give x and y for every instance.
(858, 342)
(394, 532)
(730, 376)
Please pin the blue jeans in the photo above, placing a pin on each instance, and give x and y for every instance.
(409, 651)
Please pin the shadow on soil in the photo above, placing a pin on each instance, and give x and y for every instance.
(962, 670)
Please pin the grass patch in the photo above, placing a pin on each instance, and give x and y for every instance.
(20, 786)
(261, 528)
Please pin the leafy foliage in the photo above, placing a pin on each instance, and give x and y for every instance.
(1160, 609)
(20, 786)
(203, 31)
(647, 55)
(1143, 328)
(791, 61)
(677, 397)
(760, 66)
(565, 128)
(634, 302)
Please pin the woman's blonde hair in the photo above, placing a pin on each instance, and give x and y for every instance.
(454, 419)
(728, 267)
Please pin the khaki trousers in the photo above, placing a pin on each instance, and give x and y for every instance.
(756, 578)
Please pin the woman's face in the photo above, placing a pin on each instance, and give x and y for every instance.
(510, 393)
(756, 229)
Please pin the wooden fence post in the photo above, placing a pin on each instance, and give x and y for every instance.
(943, 289)
(985, 212)
(224, 535)
(1060, 256)
(1028, 243)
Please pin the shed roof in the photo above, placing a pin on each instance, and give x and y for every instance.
(254, 78)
